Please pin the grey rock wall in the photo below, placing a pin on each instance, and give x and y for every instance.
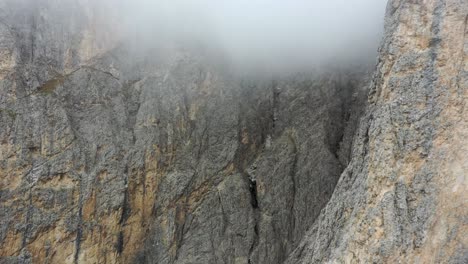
(402, 199)
(111, 158)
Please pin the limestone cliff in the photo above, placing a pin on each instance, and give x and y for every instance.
(403, 198)
(109, 157)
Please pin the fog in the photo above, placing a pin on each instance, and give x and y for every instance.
(269, 34)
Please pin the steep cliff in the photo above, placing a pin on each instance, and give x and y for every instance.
(403, 198)
(107, 156)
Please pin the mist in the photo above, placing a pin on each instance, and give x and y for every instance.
(262, 34)
(251, 35)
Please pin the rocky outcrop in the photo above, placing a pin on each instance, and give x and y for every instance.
(403, 197)
(110, 157)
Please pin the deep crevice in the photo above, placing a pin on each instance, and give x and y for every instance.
(275, 101)
(79, 235)
(255, 238)
(253, 192)
(120, 243)
(292, 174)
(126, 210)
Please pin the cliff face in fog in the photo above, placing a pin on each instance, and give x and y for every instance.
(108, 157)
(402, 199)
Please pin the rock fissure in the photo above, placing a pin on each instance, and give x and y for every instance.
(109, 157)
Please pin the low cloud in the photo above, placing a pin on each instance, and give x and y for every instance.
(251, 34)
(263, 33)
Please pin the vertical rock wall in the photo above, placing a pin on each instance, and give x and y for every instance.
(109, 158)
(403, 197)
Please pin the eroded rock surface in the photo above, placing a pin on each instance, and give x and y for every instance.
(403, 198)
(109, 157)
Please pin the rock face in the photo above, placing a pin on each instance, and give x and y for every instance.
(402, 199)
(108, 157)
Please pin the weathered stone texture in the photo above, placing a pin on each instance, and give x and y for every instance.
(403, 197)
(107, 156)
